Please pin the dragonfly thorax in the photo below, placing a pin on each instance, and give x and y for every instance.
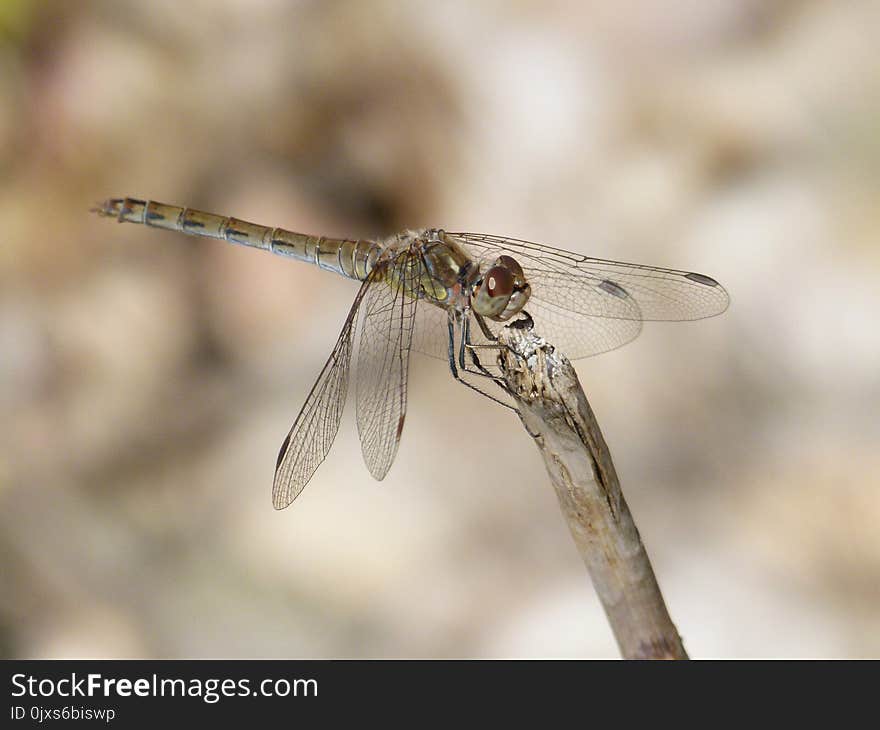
(446, 272)
(453, 279)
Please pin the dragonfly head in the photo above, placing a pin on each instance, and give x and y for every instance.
(502, 291)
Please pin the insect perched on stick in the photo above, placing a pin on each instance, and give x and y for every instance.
(446, 295)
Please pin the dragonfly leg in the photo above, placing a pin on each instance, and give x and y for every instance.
(487, 333)
(470, 348)
(525, 322)
(456, 374)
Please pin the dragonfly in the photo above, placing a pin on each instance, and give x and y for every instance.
(443, 294)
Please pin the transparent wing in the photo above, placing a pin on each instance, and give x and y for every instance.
(586, 305)
(314, 429)
(431, 336)
(389, 312)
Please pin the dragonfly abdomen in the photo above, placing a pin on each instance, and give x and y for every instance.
(353, 259)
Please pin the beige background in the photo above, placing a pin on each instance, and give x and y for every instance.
(147, 379)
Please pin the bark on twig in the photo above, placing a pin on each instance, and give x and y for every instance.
(555, 412)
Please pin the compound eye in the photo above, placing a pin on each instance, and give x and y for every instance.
(499, 281)
(512, 265)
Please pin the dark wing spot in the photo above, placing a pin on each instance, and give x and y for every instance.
(400, 425)
(615, 289)
(281, 453)
(701, 279)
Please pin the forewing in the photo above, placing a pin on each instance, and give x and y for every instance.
(388, 316)
(314, 429)
(587, 305)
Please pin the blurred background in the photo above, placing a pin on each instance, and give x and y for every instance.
(147, 379)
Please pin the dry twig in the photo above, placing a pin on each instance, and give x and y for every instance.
(555, 412)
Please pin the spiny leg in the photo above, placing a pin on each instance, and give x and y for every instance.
(457, 376)
(525, 322)
(472, 348)
(466, 346)
(487, 333)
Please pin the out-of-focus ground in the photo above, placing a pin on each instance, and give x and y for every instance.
(147, 379)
